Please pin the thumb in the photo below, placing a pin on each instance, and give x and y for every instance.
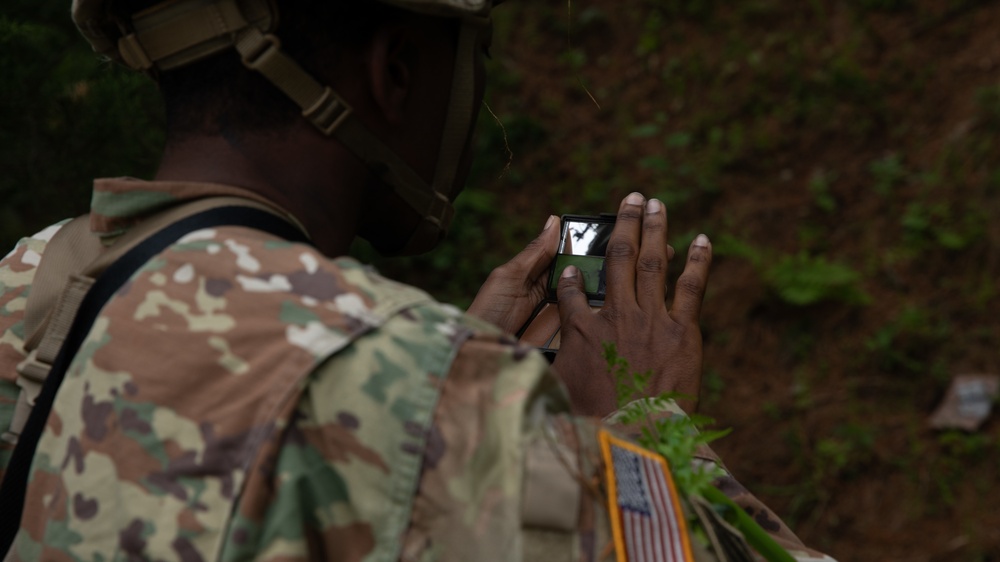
(535, 259)
(571, 295)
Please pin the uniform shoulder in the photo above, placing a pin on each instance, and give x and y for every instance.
(321, 303)
(27, 253)
(17, 273)
(307, 272)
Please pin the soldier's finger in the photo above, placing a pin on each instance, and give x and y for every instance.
(691, 284)
(572, 298)
(537, 256)
(623, 250)
(651, 267)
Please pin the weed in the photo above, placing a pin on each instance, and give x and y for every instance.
(676, 438)
(983, 291)
(712, 385)
(771, 409)
(651, 35)
(814, 236)
(903, 343)
(645, 131)
(727, 244)
(681, 139)
(803, 280)
(845, 452)
(884, 5)
(576, 59)
(988, 102)
(802, 394)
(961, 453)
(590, 16)
(935, 225)
(968, 446)
(700, 10)
(800, 340)
(819, 186)
(800, 279)
(887, 172)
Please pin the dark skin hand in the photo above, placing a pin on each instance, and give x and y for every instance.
(513, 290)
(635, 315)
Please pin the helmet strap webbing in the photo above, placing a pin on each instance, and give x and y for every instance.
(187, 30)
(460, 110)
(333, 116)
(454, 137)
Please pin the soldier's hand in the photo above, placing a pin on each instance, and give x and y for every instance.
(514, 289)
(635, 316)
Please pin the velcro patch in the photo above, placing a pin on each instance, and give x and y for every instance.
(646, 517)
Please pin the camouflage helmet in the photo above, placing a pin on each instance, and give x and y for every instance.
(176, 33)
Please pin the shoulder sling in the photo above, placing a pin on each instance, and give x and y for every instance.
(15, 481)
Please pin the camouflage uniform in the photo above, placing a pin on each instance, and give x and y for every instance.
(242, 397)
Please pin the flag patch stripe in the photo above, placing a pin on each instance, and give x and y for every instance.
(647, 521)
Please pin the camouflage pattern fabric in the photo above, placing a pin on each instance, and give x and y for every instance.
(17, 270)
(243, 398)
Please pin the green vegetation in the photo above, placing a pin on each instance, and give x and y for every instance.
(677, 439)
(802, 280)
(799, 280)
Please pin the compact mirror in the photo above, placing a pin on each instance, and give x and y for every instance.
(583, 244)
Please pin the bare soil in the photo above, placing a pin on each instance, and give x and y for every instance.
(828, 402)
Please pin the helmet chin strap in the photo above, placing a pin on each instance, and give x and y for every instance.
(454, 140)
(176, 33)
(334, 117)
(431, 202)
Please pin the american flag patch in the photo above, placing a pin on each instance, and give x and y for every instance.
(646, 517)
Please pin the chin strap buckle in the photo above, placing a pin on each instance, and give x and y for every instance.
(320, 104)
(328, 112)
(259, 54)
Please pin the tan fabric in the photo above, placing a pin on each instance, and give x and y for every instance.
(551, 498)
(70, 250)
(76, 258)
(49, 313)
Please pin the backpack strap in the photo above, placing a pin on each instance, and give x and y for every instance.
(95, 295)
(69, 251)
(71, 261)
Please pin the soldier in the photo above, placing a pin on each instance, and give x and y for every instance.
(247, 397)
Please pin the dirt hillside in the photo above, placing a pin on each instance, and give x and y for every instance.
(843, 157)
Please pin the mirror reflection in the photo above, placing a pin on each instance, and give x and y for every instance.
(586, 238)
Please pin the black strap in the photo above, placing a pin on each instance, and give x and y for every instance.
(15, 481)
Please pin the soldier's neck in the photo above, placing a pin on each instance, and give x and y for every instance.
(307, 175)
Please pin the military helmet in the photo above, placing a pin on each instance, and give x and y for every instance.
(176, 33)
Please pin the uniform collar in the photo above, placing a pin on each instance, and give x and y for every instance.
(119, 203)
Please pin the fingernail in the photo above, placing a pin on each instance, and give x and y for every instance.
(569, 272)
(653, 206)
(549, 223)
(701, 241)
(635, 198)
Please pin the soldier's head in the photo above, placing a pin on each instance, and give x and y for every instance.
(396, 82)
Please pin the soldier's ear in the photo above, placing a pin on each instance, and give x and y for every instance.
(391, 67)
